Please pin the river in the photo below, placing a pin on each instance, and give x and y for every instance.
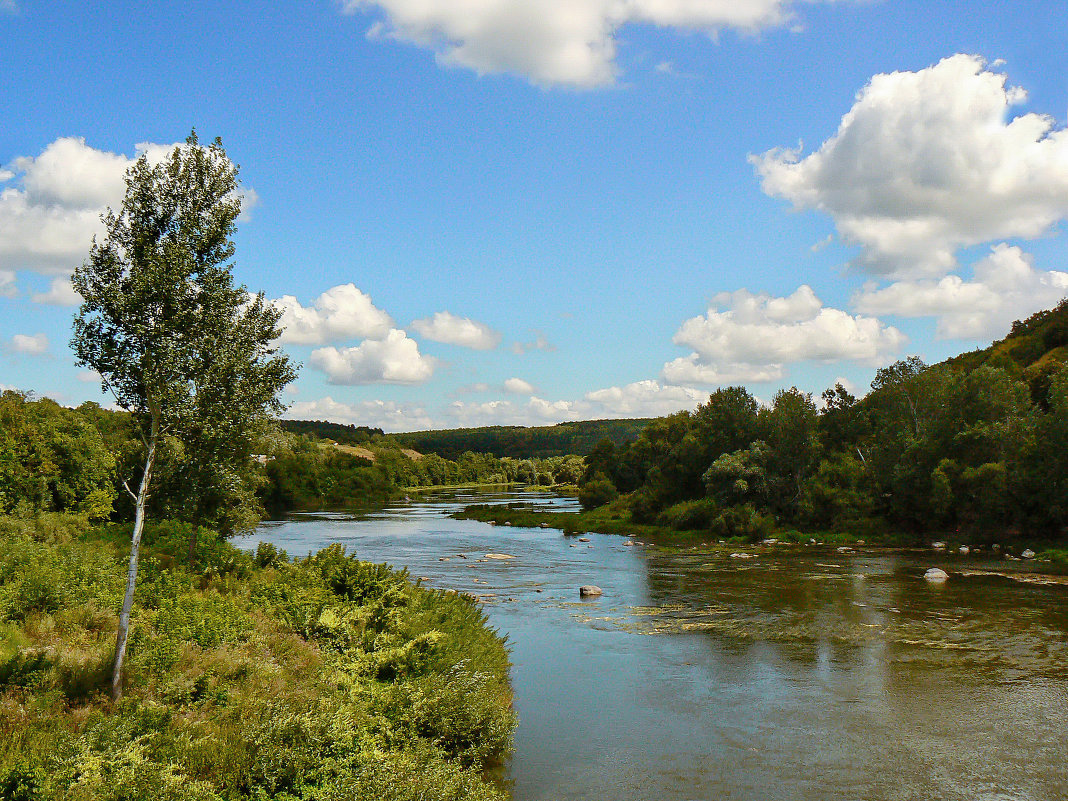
(802, 673)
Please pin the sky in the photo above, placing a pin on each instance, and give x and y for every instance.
(481, 212)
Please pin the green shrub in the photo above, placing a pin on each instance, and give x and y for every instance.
(743, 522)
(598, 491)
(689, 515)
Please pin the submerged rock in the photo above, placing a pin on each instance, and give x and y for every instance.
(743, 555)
(584, 539)
(936, 575)
(590, 591)
(498, 556)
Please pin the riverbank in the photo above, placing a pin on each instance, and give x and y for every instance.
(611, 519)
(250, 676)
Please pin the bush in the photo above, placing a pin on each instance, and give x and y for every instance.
(598, 491)
(689, 515)
(743, 522)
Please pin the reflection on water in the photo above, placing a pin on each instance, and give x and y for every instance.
(800, 674)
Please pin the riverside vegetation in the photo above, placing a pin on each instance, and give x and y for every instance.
(248, 676)
(974, 449)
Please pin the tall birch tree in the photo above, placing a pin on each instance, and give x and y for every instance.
(178, 345)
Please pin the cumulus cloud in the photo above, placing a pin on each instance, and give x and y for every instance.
(8, 289)
(50, 204)
(60, 293)
(392, 360)
(463, 331)
(641, 399)
(1005, 287)
(927, 162)
(387, 415)
(32, 345)
(536, 411)
(342, 312)
(752, 337)
(644, 399)
(518, 386)
(553, 42)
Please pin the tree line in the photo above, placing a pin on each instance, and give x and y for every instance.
(977, 444)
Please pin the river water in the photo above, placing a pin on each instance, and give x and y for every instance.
(802, 673)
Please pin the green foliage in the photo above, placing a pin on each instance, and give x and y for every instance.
(52, 459)
(597, 491)
(695, 515)
(517, 442)
(317, 679)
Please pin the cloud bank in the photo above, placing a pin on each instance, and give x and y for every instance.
(553, 42)
(50, 204)
(926, 163)
(1005, 287)
(752, 337)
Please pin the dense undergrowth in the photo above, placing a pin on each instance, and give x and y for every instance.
(251, 676)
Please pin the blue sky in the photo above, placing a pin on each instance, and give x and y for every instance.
(504, 212)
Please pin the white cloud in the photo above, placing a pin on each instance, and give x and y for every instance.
(1005, 287)
(553, 42)
(8, 289)
(640, 399)
(453, 330)
(51, 210)
(538, 343)
(392, 360)
(387, 415)
(33, 345)
(518, 386)
(644, 399)
(9, 6)
(60, 293)
(342, 312)
(88, 376)
(928, 162)
(534, 412)
(752, 337)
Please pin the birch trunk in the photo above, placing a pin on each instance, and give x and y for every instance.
(131, 575)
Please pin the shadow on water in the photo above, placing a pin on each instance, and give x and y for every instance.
(797, 674)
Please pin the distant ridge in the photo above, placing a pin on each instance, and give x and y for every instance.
(519, 442)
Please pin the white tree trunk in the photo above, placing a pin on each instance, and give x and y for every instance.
(131, 575)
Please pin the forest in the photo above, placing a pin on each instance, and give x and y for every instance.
(977, 444)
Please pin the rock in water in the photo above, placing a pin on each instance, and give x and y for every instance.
(1028, 554)
(936, 575)
(498, 556)
(590, 591)
(965, 550)
(938, 546)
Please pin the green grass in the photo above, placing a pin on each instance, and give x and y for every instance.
(249, 677)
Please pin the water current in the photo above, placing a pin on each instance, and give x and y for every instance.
(801, 673)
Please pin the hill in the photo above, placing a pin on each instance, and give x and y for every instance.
(1034, 349)
(338, 432)
(519, 442)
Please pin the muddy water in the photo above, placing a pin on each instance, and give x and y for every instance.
(802, 673)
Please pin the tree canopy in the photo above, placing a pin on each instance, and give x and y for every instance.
(190, 354)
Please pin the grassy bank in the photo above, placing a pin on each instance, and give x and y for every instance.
(615, 518)
(249, 677)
